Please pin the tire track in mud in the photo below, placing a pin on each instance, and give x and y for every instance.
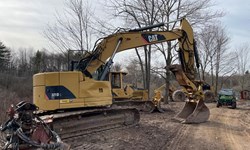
(177, 141)
(245, 119)
(239, 133)
(77, 143)
(223, 131)
(227, 129)
(191, 137)
(234, 129)
(247, 127)
(229, 133)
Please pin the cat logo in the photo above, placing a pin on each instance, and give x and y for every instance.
(149, 38)
(152, 38)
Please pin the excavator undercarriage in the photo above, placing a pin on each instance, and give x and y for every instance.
(76, 123)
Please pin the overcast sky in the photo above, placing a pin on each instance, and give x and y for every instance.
(23, 21)
(237, 20)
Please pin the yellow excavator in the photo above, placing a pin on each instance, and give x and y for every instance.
(126, 95)
(122, 91)
(79, 102)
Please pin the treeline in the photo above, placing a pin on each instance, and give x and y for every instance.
(17, 68)
(26, 62)
(23, 63)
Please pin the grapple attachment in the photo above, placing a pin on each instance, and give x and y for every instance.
(194, 112)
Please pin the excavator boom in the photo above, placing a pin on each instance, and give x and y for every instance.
(123, 41)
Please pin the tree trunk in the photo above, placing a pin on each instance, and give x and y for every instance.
(142, 68)
(168, 73)
(146, 68)
(148, 72)
(212, 74)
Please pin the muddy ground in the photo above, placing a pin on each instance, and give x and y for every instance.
(227, 129)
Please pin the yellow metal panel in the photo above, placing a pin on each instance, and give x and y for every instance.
(120, 94)
(52, 78)
(81, 77)
(88, 92)
(70, 80)
(98, 101)
(42, 101)
(65, 104)
(38, 79)
(96, 93)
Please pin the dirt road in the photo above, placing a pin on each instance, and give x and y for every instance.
(227, 129)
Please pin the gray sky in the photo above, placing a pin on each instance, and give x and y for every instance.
(237, 20)
(23, 21)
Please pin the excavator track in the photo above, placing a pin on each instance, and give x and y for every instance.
(145, 106)
(82, 122)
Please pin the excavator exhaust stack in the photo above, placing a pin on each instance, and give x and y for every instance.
(194, 112)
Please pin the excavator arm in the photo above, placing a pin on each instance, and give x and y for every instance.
(121, 41)
(184, 73)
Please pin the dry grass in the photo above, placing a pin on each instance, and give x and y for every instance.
(13, 90)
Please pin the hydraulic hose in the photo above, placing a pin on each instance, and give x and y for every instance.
(26, 139)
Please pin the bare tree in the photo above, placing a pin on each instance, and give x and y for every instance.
(140, 13)
(227, 78)
(116, 67)
(148, 12)
(242, 64)
(206, 45)
(215, 55)
(72, 28)
(134, 74)
(224, 60)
